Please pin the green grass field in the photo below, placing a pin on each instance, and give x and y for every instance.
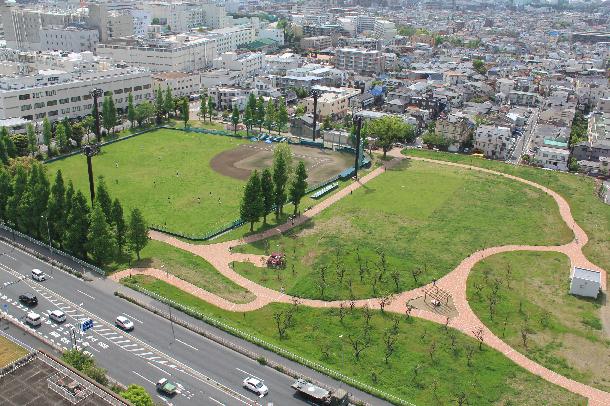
(425, 368)
(188, 267)
(562, 332)
(420, 216)
(579, 191)
(147, 170)
(10, 352)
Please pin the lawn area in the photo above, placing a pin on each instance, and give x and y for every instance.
(429, 365)
(10, 352)
(147, 170)
(405, 228)
(579, 191)
(562, 332)
(188, 267)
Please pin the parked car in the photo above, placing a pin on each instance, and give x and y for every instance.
(38, 275)
(58, 316)
(33, 319)
(28, 299)
(256, 385)
(124, 323)
(166, 387)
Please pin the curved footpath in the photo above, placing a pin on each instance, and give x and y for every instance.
(221, 257)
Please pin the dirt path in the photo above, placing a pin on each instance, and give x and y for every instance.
(220, 256)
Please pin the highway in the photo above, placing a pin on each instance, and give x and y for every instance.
(148, 353)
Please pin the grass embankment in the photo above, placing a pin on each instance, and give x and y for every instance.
(535, 314)
(579, 191)
(188, 267)
(10, 352)
(425, 368)
(408, 226)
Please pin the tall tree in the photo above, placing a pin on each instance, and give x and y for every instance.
(6, 190)
(131, 110)
(113, 113)
(19, 186)
(159, 105)
(120, 227)
(298, 185)
(168, 101)
(248, 119)
(47, 134)
(185, 111)
(60, 138)
(40, 201)
(32, 143)
(78, 226)
(284, 150)
(388, 130)
(251, 207)
(281, 116)
(260, 113)
(103, 197)
(270, 114)
(280, 177)
(235, 119)
(211, 107)
(3, 153)
(106, 115)
(27, 218)
(101, 243)
(68, 199)
(57, 206)
(137, 236)
(78, 133)
(267, 193)
(68, 129)
(203, 108)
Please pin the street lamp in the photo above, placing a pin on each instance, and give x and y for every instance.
(315, 94)
(358, 158)
(96, 93)
(48, 232)
(342, 357)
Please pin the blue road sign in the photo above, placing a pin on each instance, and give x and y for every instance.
(5, 307)
(86, 325)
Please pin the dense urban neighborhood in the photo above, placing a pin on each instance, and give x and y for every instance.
(325, 202)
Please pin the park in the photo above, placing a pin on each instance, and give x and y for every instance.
(366, 249)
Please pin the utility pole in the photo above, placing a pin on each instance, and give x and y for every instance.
(358, 159)
(96, 93)
(90, 151)
(315, 94)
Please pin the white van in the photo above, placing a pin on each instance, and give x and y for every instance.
(57, 316)
(33, 319)
(38, 275)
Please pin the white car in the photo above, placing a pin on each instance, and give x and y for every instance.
(124, 323)
(256, 385)
(38, 275)
(33, 319)
(58, 316)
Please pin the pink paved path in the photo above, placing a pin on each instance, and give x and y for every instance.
(220, 256)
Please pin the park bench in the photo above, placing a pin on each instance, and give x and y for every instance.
(325, 190)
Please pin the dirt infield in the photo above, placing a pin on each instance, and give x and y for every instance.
(321, 164)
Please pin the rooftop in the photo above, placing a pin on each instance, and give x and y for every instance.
(587, 274)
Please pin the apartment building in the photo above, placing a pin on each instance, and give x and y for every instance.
(182, 84)
(72, 38)
(215, 16)
(365, 23)
(316, 43)
(553, 158)
(275, 34)
(180, 17)
(228, 39)
(362, 61)
(333, 102)
(385, 30)
(59, 94)
(247, 64)
(456, 127)
(228, 97)
(520, 98)
(494, 142)
(279, 64)
(598, 144)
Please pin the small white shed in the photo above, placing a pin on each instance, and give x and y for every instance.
(585, 282)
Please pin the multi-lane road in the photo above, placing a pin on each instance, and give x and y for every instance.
(206, 372)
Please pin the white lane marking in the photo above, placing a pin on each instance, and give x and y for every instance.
(144, 354)
(135, 350)
(122, 342)
(131, 317)
(85, 294)
(154, 366)
(214, 400)
(128, 345)
(146, 379)
(249, 374)
(188, 345)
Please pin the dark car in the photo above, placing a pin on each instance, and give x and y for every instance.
(28, 299)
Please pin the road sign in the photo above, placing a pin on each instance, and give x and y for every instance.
(86, 325)
(5, 307)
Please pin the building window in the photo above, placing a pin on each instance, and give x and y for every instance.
(52, 113)
(75, 99)
(25, 107)
(38, 105)
(51, 103)
(64, 101)
(24, 96)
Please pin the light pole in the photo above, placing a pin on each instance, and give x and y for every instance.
(342, 358)
(358, 159)
(315, 94)
(90, 150)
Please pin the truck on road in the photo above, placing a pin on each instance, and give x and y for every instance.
(320, 396)
(166, 387)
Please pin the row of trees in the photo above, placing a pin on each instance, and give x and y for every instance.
(271, 115)
(62, 215)
(267, 192)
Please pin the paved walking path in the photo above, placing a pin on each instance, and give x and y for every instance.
(220, 256)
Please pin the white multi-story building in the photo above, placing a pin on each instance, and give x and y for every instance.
(228, 39)
(215, 16)
(494, 142)
(59, 94)
(226, 98)
(177, 53)
(275, 34)
(180, 17)
(553, 158)
(365, 23)
(279, 64)
(333, 102)
(182, 84)
(362, 61)
(71, 39)
(385, 30)
(247, 64)
(141, 21)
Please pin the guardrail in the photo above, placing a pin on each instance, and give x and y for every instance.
(278, 350)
